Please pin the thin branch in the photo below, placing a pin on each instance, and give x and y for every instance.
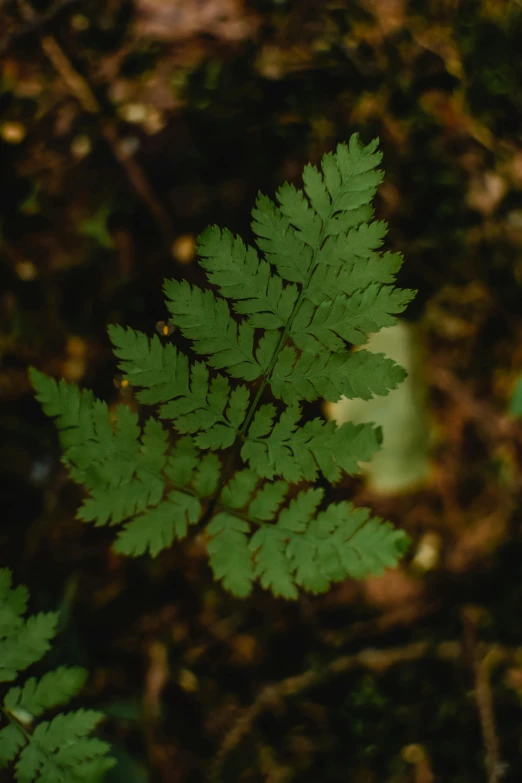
(376, 661)
(373, 660)
(482, 663)
(484, 697)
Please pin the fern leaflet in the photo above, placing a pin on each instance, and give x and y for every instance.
(60, 750)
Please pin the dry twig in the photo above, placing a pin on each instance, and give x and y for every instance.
(482, 663)
(371, 659)
(378, 661)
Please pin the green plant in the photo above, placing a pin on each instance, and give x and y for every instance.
(52, 751)
(232, 461)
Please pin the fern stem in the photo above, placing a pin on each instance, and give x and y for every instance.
(268, 373)
(287, 328)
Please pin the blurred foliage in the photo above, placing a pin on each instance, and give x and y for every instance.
(127, 127)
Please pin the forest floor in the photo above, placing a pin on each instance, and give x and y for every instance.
(126, 128)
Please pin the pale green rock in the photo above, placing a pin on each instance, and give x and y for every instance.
(403, 462)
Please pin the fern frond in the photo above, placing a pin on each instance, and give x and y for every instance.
(271, 565)
(142, 485)
(311, 551)
(182, 462)
(280, 242)
(97, 446)
(346, 285)
(12, 739)
(195, 403)
(157, 528)
(13, 603)
(59, 751)
(54, 688)
(355, 274)
(266, 502)
(127, 471)
(206, 320)
(286, 320)
(343, 541)
(196, 477)
(22, 644)
(269, 544)
(207, 476)
(240, 275)
(300, 452)
(298, 547)
(236, 493)
(72, 408)
(348, 318)
(229, 554)
(294, 235)
(361, 374)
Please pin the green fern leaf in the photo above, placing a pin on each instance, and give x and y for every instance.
(216, 429)
(182, 461)
(342, 541)
(349, 319)
(157, 528)
(140, 483)
(312, 550)
(272, 566)
(153, 450)
(297, 453)
(22, 641)
(51, 752)
(27, 644)
(263, 421)
(358, 245)
(71, 407)
(297, 515)
(12, 739)
(55, 687)
(266, 502)
(269, 544)
(59, 750)
(280, 242)
(321, 285)
(355, 274)
(115, 504)
(229, 553)
(293, 235)
(13, 603)
(361, 374)
(206, 320)
(124, 476)
(295, 207)
(207, 475)
(240, 275)
(237, 492)
(190, 399)
(267, 349)
(160, 370)
(96, 448)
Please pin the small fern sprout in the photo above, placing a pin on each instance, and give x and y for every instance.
(59, 750)
(227, 448)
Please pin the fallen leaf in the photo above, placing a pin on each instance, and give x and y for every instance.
(177, 20)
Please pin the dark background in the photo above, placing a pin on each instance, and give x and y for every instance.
(124, 130)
